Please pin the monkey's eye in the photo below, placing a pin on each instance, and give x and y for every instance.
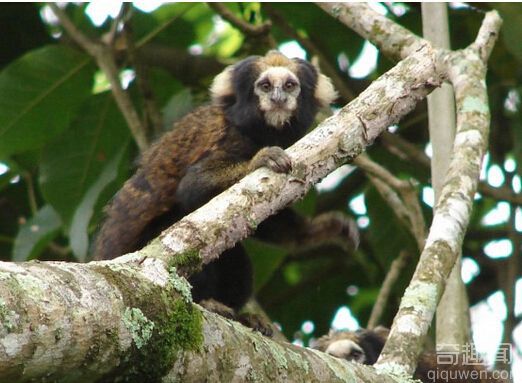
(265, 86)
(355, 355)
(290, 85)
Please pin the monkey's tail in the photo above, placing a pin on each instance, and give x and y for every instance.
(127, 218)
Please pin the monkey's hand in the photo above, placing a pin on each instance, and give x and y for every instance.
(273, 157)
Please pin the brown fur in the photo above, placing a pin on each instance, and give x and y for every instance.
(208, 151)
(157, 179)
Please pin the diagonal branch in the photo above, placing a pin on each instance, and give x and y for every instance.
(243, 26)
(401, 196)
(406, 150)
(138, 311)
(105, 59)
(467, 72)
(388, 284)
(393, 40)
(234, 214)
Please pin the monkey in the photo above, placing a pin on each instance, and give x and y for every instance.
(364, 346)
(259, 106)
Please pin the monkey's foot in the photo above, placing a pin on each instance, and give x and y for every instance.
(335, 226)
(255, 322)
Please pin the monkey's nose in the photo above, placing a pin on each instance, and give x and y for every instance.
(278, 97)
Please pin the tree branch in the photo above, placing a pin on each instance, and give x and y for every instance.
(135, 321)
(237, 212)
(137, 311)
(467, 73)
(393, 40)
(243, 26)
(453, 321)
(105, 59)
(406, 150)
(406, 207)
(388, 284)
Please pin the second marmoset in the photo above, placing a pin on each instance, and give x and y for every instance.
(260, 106)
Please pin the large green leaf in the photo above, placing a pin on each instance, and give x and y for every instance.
(179, 105)
(39, 94)
(79, 232)
(511, 33)
(71, 164)
(36, 233)
(266, 258)
(387, 234)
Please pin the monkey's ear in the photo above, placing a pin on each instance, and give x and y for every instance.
(325, 92)
(222, 87)
(382, 331)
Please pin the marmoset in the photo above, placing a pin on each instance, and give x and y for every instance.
(365, 346)
(260, 106)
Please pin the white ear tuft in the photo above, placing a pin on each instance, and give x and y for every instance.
(325, 92)
(222, 85)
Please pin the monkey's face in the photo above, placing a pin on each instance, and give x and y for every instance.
(362, 346)
(277, 89)
(346, 349)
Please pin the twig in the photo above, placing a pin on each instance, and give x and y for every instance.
(189, 69)
(31, 195)
(243, 26)
(152, 118)
(311, 47)
(507, 277)
(105, 59)
(388, 284)
(466, 71)
(406, 207)
(111, 36)
(405, 149)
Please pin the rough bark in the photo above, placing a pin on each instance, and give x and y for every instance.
(453, 321)
(135, 321)
(133, 316)
(205, 233)
(467, 70)
(128, 315)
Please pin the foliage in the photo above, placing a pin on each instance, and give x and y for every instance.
(65, 147)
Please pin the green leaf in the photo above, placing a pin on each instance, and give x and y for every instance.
(306, 206)
(79, 232)
(178, 106)
(39, 94)
(71, 164)
(36, 233)
(387, 234)
(266, 258)
(511, 14)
